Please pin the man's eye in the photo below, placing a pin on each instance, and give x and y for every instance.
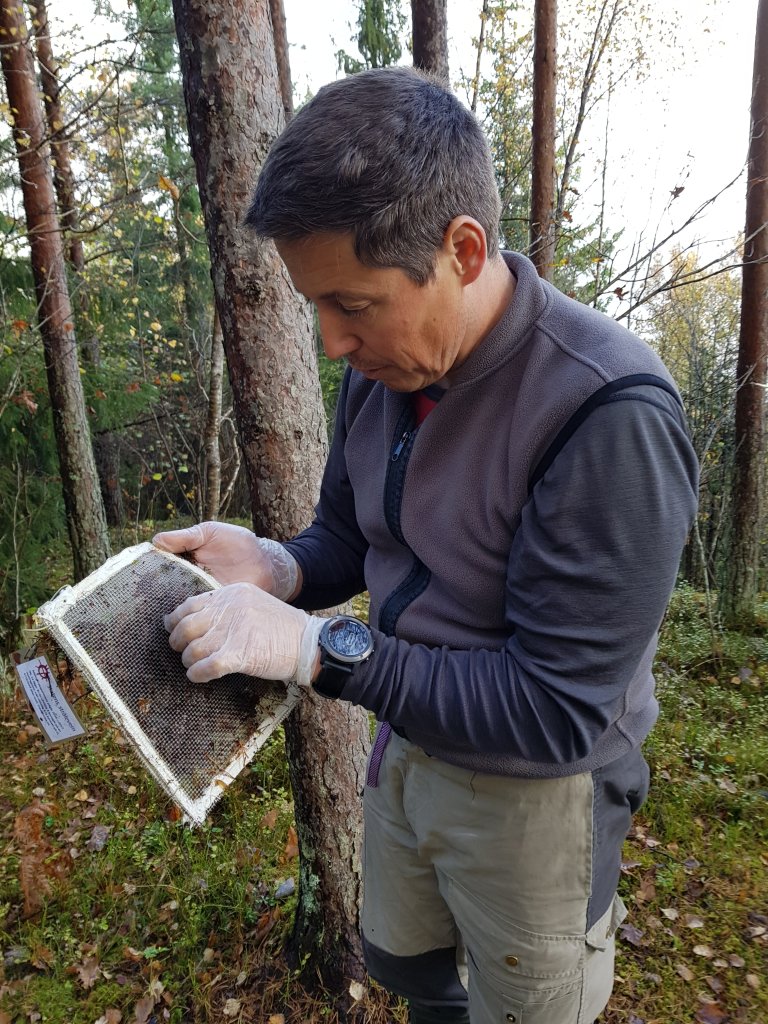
(352, 310)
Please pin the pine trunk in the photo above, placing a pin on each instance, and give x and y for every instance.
(542, 233)
(235, 112)
(280, 35)
(82, 498)
(741, 587)
(429, 21)
(213, 425)
(63, 178)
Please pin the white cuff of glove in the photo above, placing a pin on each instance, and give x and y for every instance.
(285, 568)
(308, 650)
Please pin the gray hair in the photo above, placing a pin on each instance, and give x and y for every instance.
(389, 155)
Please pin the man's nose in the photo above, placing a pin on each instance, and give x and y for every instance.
(337, 337)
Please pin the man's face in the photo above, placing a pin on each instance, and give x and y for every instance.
(389, 328)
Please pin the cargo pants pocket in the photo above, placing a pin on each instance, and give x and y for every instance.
(517, 976)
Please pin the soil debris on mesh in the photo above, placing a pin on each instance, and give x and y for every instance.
(196, 729)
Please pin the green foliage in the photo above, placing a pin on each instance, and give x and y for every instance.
(380, 25)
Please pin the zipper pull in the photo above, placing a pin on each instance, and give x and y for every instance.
(400, 445)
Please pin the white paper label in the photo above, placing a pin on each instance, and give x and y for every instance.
(57, 719)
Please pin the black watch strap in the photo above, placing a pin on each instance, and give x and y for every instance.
(332, 677)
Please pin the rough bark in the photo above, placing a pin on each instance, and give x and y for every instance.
(429, 20)
(80, 485)
(235, 112)
(63, 177)
(740, 591)
(106, 451)
(213, 425)
(280, 34)
(543, 173)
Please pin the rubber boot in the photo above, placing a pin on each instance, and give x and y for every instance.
(420, 1014)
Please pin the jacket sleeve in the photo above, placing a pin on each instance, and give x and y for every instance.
(590, 572)
(331, 552)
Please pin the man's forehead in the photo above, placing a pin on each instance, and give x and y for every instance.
(321, 264)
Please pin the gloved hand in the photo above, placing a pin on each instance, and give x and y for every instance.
(232, 554)
(240, 628)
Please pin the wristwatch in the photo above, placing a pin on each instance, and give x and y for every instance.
(344, 643)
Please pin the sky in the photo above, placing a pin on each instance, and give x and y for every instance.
(686, 125)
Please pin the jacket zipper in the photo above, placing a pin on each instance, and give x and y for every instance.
(418, 577)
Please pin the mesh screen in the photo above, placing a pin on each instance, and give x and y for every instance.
(196, 729)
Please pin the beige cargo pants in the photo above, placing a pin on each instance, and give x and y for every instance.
(496, 890)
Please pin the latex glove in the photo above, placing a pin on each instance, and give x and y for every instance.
(232, 554)
(240, 628)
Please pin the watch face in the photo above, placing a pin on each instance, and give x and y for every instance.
(348, 638)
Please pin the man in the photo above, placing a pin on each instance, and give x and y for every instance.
(512, 481)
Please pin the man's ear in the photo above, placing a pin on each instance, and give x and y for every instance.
(465, 243)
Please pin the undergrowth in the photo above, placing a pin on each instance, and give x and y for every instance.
(131, 916)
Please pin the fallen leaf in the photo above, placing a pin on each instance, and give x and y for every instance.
(99, 838)
(735, 960)
(111, 1016)
(710, 1013)
(270, 819)
(753, 981)
(703, 951)
(691, 921)
(670, 913)
(715, 984)
(292, 846)
(631, 934)
(232, 1007)
(143, 1010)
(628, 865)
(276, 1018)
(728, 786)
(356, 990)
(685, 972)
(88, 972)
(646, 891)
(82, 796)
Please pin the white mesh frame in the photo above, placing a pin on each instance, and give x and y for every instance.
(276, 701)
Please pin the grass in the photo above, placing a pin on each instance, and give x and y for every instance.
(142, 919)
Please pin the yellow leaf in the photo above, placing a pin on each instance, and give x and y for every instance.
(168, 186)
(176, 377)
(156, 327)
(157, 476)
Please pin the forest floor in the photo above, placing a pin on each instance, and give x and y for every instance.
(114, 912)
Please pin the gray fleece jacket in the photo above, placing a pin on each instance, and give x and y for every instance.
(519, 547)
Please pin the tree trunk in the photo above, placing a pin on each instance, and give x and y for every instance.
(280, 34)
(82, 498)
(235, 113)
(429, 20)
(213, 425)
(543, 174)
(740, 591)
(63, 178)
(106, 451)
